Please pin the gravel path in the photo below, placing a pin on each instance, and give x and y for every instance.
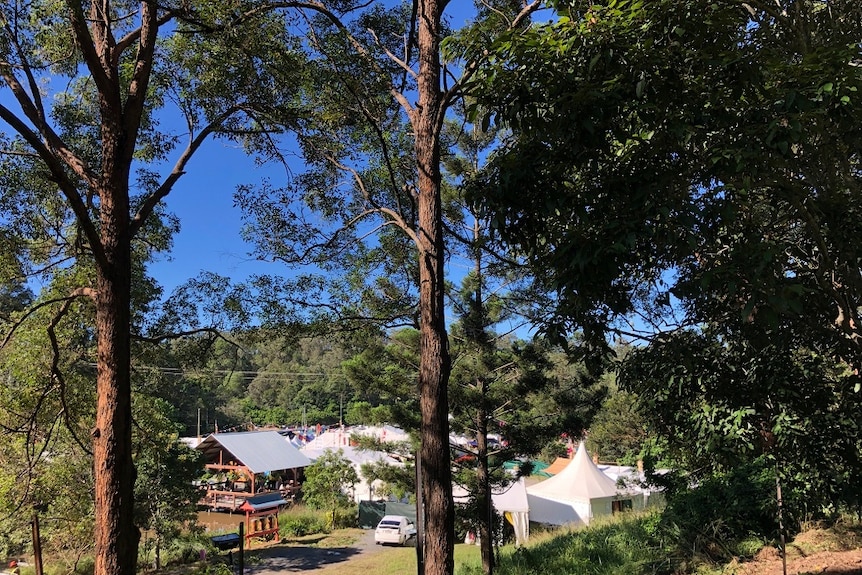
(295, 558)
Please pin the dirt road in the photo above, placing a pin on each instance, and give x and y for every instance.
(305, 557)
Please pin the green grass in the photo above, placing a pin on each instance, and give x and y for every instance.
(397, 561)
(630, 544)
(620, 547)
(616, 547)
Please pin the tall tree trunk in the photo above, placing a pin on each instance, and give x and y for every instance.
(486, 507)
(434, 365)
(116, 536)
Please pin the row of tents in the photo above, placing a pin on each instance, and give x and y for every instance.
(580, 491)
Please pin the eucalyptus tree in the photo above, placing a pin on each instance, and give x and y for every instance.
(695, 163)
(86, 164)
(371, 201)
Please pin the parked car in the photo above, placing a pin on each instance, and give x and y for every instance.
(395, 529)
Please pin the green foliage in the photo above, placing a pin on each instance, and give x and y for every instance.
(300, 521)
(329, 481)
(182, 549)
(398, 480)
(77, 566)
(552, 450)
(719, 517)
(165, 495)
(212, 569)
(693, 163)
(728, 402)
(384, 373)
(618, 432)
(629, 162)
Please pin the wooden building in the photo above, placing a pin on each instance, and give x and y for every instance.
(242, 465)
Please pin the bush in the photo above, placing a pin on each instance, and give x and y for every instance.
(212, 569)
(619, 545)
(84, 566)
(301, 521)
(719, 518)
(182, 549)
(346, 517)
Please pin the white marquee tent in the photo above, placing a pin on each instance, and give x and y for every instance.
(510, 501)
(577, 494)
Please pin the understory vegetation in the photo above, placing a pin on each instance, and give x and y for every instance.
(642, 544)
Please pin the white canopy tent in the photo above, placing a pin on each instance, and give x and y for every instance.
(577, 494)
(511, 501)
(336, 437)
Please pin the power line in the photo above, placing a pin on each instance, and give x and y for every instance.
(240, 372)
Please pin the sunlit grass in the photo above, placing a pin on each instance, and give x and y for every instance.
(614, 547)
(398, 561)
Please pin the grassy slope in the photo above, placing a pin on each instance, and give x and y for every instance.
(624, 545)
(614, 548)
(618, 547)
(395, 561)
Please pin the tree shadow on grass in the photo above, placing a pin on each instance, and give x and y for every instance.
(293, 558)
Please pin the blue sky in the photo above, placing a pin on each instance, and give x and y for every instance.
(209, 238)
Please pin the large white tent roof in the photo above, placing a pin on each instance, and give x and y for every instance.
(512, 497)
(580, 480)
(352, 454)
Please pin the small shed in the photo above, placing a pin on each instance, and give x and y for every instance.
(261, 515)
(558, 465)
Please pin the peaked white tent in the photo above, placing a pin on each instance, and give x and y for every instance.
(511, 501)
(577, 494)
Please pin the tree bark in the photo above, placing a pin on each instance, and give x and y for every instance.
(116, 537)
(486, 506)
(435, 362)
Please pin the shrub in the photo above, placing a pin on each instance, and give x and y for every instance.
(346, 517)
(302, 521)
(711, 519)
(613, 546)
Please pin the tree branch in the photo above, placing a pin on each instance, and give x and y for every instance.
(181, 334)
(87, 46)
(80, 292)
(133, 36)
(137, 92)
(56, 372)
(150, 203)
(401, 63)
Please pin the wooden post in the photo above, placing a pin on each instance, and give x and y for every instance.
(37, 545)
(241, 547)
(781, 522)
